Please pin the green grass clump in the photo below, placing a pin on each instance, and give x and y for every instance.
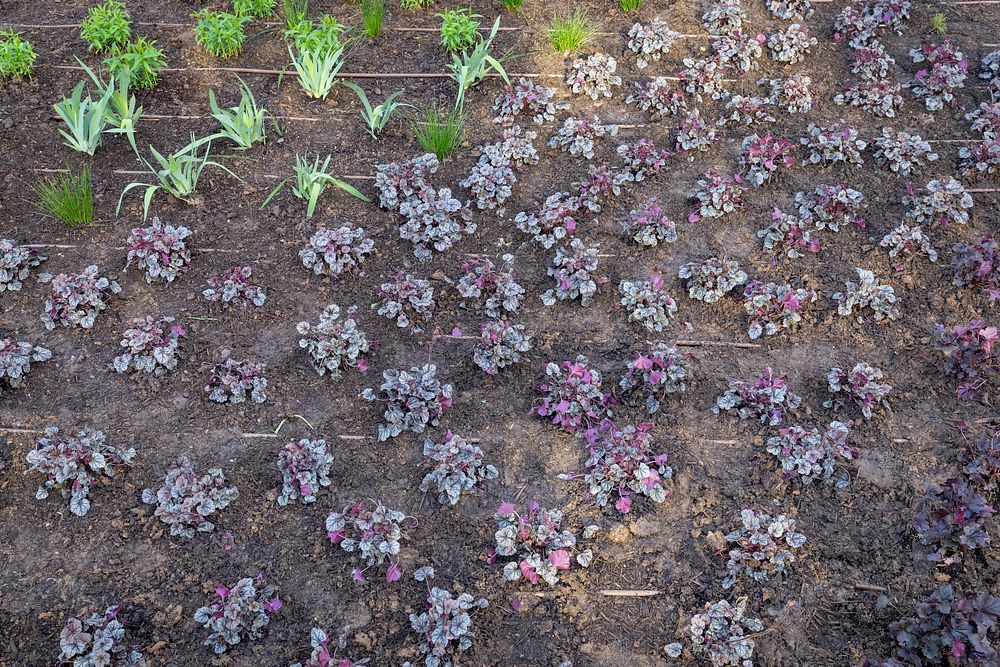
(67, 197)
(439, 133)
(221, 33)
(415, 4)
(459, 28)
(141, 59)
(570, 32)
(630, 5)
(939, 24)
(106, 28)
(17, 58)
(372, 15)
(513, 5)
(256, 8)
(295, 12)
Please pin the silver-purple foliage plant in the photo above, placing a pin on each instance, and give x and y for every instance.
(374, 532)
(334, 345)
(98, 641)
(765, 399)
(239, 613)
(334, 252)
(413, 400)
(77, 298)
(457, 468)
(159, 250)
(765, 546)
(234, 287)
(660, 371)
(305, 469)
(234, 382)
(149, 346)
(186, 499)
(15, 362)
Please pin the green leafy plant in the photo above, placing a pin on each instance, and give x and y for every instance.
(141, 60)
(415, 4)
(317, 70)
(295, 12)
(85, 118)
(256, 8)
(242, 124)
(221, 33)
(121, 114)
(472, 67)
(311, 180)
(439, 133)
(513, 5)
(67, 197)
(377, 118)
(17, 58)
(106, 28)
(630, 5)
(372, 16)
(570, 32)
(459, 28)
(178, 174)
(320, 39)
(939, 24)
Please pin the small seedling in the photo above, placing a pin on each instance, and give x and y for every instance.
(972, 354)
(862, 386)
(868, 294)
(952, 517)
(950, 626)
(495, 291)
(711, 279)
(630, 5)
(500, 345)
(316, 39)
(648, 303)
(238, 613)
(16, 263)
(311, 180)
(946, 72)
(814, 456)
(526, 95)
(185, 501)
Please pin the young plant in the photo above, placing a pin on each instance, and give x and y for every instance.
(569, 32)
(747, 111)
(15, 362)
(792, 45)
(242, 124)
(648, 303)
(762, 158)
(790, 234)
(945, 203)
(982, 464)
(472, 67)
(72, 464)
(77, 298)
(526, 95)
(717, 195)
(763, 399)
(661, 371)
(811, 456)
(773, 307)
(574, 270)
(837, 142)
(907, 242)
(738, 52)
(322, 656)
(705, 78)
(260, 9)
(630, 5)
(415, 4)
(458, 468)
(86, 119)
(576, 136)
(829, 206)
(872, 62)
(374, 531)
(140, 60)
(952, 627)
(150, 346)
(862, 386)
(978, 266)
(334, 346)
(793, 93)
(233, 287)
(318, 40)
(572, 395)
(159, 250)
(220, 33)
(659, 98)
(16, 262)
(305, 468)
(786, 10)
(903, 152)
(408, 300)
(238, 613)
(554, 220)
(69, 198)
(947, 72)
(372, 16)
(538, 543)
(122, 114)
(695, 134)
(377, 118)
(711, 279)
(447, 619)
(413, 400)
(317, 69)
(649, 224)
(867, 294)
(335, 252)
(311, 181)
(724, 17)
(185, 501)
(765, 546)
(459, 29)
(594, 76)
(434, 219)
(980, 161)
(500, 345)
(650, 42)
(951, 517)
(437, 133)
(723, 633)
(970, 353)
(234, 382)
(17, 57)
(494, 290)
(99, 640)
(879, 98)
(106, 28)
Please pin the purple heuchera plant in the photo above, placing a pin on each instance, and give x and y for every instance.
(322, 656)
(334, 345)
(763, 157)
(792, 45)
(408, 300)
(837, 142)
(947, 71)
(649, 224)
(790, 9)
(950, 627)
(77, 298)
(695, 134)
(413, 399)
(711, 279)
(72, 464)
(945, 203)
(650, 41)
(738, 51)
(15, 362)
(594, 76)
(500, 345)
(717, 195)
(790, 234)
(879, 98)
(334, 252)
(159, 250)
(872, 62)
(908, 241)
(640, 159)
(978, 266)
(233, 287)
(373, 531)
(526, 95)
(832, 205)
(185, 501)
(773, 306)
(572, 395)
(719, 633)
(150, 346)
(233, 382)
(434, 219)
(661, 371)
(793, 93)
(982, 464)
(648, 303)
(861, 386)
(903, 152)
(577, 135)
(458, 468)
(238, 613)
(861, 20)
(16, 262)
(970, 354)
(868, 294)
(397, 183)
(305, 468)
(814, 456)
(98, 641)
(746, 111)
(492, 178)
(574, 271)
(447, 619)
(659, 98)
(765, 546)
(763, 399)
(724, 17)
(951, 517)
(495, 290)
(980, 161)
(537, 542)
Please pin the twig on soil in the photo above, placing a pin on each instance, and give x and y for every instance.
(871, 587)
(716, 343)
(8, 429)
(629, 593)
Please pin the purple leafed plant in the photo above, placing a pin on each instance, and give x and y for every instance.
(902, 152)
(234, 382)
(572, 395)
(527, 96)
(861, 20)
(16, 262)
(576, 136)
(832, 205)
(492, 178)
(640, 159)
(950, 627)
(773, 306)
(595, 76)
(574, 271)
(711, 279)
(15, 362)
(989, 69)
(661, 371)
(305, 469)
(945, 72)
(500, 345)
(233, 287)
(787, 10)
(650, 41)
(372, 530)
(408, 300)
(793, 93)
(978, 266)
(159, 250)
(790, 235)
(951, 517)
(150, 346)
(434, 219)
(717, 195)
(981, 161)
(185, 501)
(334, 252)
(867, 295)
(908, 241)
(765, 546)
(322, 656)
(648, 303)
(659, 98)
(739, 51)
(554, 220)
(792, 45)
(720, 633)
(763, 399)
(970, 355)
(398, 182)
(458, 468)
(72, 464)
(862, 386)
(813, 456)
(649, 224)
(493, 290)
(97, 641)
(762, 158)
(872, 62)
(334, 345)
(77, 298)
(879, 98)
(695, 134)
(945, 203)
(238, 613)
(986, 119)
(837, 142)
(537, 542)
(413, 399)
(447, 619)
(724, 17)
(746, 111)
(982, 464)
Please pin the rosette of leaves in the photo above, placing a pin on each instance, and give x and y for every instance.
(446, 620)
(594, 76)
(576, 136)
(305, 468)
(738, 51)
(986, 119)
(862, 386)
(413, 400)
(554, 220)
(950, 626)
(323, 656)
(15, 362)
(872, 62)
(763, 399)
(640, 159)
(868, 294)
(946, 71)
(978, 266)
(500, 345)
(526, 95)
(537, 542)
(494, 290)
(790, 9)
(572, 395)
(159, 250)
(790, 234)
(980, 161)
(334, 345)
(150, 346)
(712, 278)
(705, 78)
(649, 224)
(77, 298)
(398, 182)
(434, 219)
(724, 17)
(829, 206)
(234, 382)
(908, 241)
(765, 546)
(71, 464)
(879, 98)
(717, 195)
(374, 532)
(648, 303)
(970, 354)
(791, 45)
(773, 307)
(574, 271)
(659, 98)
(951, 517)
(408, 300)
(661, 371)
(746, 111)
(233, 287)
(945, 203)
(238, 613)
(763, 157)
(814, 456)
(492, 178)
(651, 41)
(904, 153)
(981, 462)
(793, 93)
(695, 134)
(458, 468)
(97, 640)
(721, 633)
(16, 262)
(186, 500)
(334, 252)
(837, 142)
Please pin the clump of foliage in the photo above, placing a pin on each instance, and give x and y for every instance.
(572, 395)
(408, 300)
(413, 399)
(761, 158)
(872, 62)
(574, 271)
(837, 142)
(982, 463)
(321, 656)
(794, 235)
(494, 290)
(719, 633)
(793, 93)
(695, 134)
(537, 542)
(879, 98)
(334, 252)
(150, 346)
(106, 28)
(319, 39)
(787, 10)
(492, 177)
(555, 219)
(863, 386)
(658, 98)
(500, 345)
(908, 241)
(458, 468)
(446, 620)
(459, 29)
(17, 57)
(185, 501)
(233, 382)
(569, 32)
(650, 41)
(15, 362)
(945, 203)
(765, 546)
(641, 158)
(903, 152)
(649, 224)
(372, 530)
(981, 161)
(595, 76)
(867, 294)
(67, 197)
(762, 399)
(978, 265)
(398, 182)
(526, 95)
(256, 8)
(712, 278)
(98, 640)
(72, 464)
(946, 71)
(159, 250)
(831, 205)
(792, 45)
(220, 33)
(970, 354)
(648, 303)
(724, 17)
(814, 456)
(950, 626)
(233, 287)
(746, 111)
(431, 221)
(333, 345)
(238, 613)
(990, 70)
(77, 298)
(860, 20)
(951, 517)
(140, 61)
(738, 51)
(774, 306)
(576, 136)
(16, 262)
(717, 195)
(305, 468)
(661, 371)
